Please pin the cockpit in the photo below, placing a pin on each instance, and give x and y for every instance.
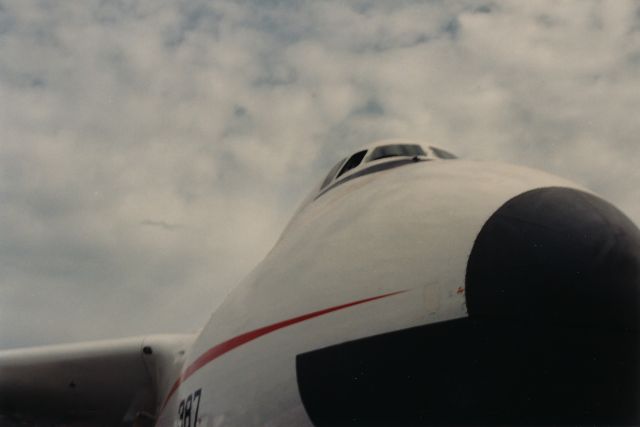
(378, 157)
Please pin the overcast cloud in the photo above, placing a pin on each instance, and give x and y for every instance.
(152, 151)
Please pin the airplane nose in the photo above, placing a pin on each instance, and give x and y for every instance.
(556, 256)
(553, 297)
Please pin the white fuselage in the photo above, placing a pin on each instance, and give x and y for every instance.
(395, 243)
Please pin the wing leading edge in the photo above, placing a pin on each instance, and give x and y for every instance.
(113, 381)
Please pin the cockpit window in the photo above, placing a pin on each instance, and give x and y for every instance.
(332, 173)
(353, 162)
(396, 150)
(442, 153)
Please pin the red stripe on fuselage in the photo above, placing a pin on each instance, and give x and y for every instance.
(226, 346)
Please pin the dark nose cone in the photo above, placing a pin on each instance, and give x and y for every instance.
(553, 291)
(560, 256)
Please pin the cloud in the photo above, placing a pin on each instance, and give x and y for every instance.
(162, 224)
(151, 151)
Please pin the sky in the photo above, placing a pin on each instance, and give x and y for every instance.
(151, 151)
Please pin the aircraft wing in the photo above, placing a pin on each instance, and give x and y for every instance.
(111, 382)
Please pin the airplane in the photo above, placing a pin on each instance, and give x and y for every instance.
(411, 287)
